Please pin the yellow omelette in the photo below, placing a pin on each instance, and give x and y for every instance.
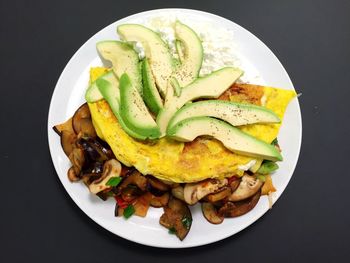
(194, 161)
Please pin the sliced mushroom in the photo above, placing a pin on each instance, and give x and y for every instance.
(68, 139)
(234, 209)
(72, 176)
(135, 179)
(177, 217)
(178, 192)
(222, 194)
(248, 186)
(111, 168)
(66, 126)
(94, 150)
(87, 128)
(234, 182)
(211, 214)
(83, 112)
(130, 193)
(155, 183)
(160, 201)
(77, 159)
(193, 192)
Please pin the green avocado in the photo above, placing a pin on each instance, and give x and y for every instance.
(150, 92)
(93, 94)
(232, 138)
(134, 111)
(210, 86)
(156, 50)
(234, 113)
(110, 92)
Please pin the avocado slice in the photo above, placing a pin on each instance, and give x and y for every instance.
(124, 60)
(134, 111)
(210, 86)
(192, 56)
(156, 50)
(232, 138)
(150, 92)
(93, 93)
(110, 92)
(234, 113)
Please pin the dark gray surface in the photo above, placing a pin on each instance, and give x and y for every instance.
(309, 223)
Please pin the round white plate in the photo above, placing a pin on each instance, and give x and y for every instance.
(256, 58)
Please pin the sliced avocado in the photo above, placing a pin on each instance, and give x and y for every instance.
(123, 58)
(110, 92)
(156, 50)
(234, 113)
(232, 138)
(134, 111)
(150, 92)
(93, 94)
(192, 56)
(267, 167)
(179, 50)
(176, 86)
(210, 86)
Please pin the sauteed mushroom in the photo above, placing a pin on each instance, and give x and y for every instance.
(193, 192)
(68, 139)
(211, 214)
(222, 194)
(83, 112)
(248, 186)
(111, 168)
(178, 192)
(135, 179)
(66, 126)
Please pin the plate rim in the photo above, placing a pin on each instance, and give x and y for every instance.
(154, 11)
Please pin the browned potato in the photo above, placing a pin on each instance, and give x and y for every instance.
(66, 126)
(141, 205)
(211, 214)
(68, 139)
(177, 218)
(83, 112)
(234, 209)
(222, 194)
(160, 201)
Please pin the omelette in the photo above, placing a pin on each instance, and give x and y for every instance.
(194, 161)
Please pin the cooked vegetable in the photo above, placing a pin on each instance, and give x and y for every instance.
(193, 192)
(154, 182)
(94, 150)
(68, 139)
(178, 192)
(129, 211)
(72, 176)
(268, 186)
(141, 205)
(114, 181)
(160, 201)
(234, 209)
(223, 193)
(82, 112)
(177, 216)
(111, 168)
(248, 186)
(267, 167)
(66, 126)
(135, 179)
(87, 128)
(130, 193)
(77, 158)
(211, 214)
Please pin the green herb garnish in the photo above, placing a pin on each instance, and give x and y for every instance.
(267, 167)
(274, 142)
(129, 211)
(186, 222)
(114, 181)
(172, 230)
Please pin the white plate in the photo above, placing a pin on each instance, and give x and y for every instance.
(69, 94)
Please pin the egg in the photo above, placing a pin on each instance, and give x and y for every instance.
(194, 161)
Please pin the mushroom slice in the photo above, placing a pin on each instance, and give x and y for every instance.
(111, 168)
(94, 150)
(211, 214)
(83, 112)
(72, 176)
(177, 218)
(135, 179)
(130, 193)
(68, 139)
(234, 209)
(160, 201)
(248, 186)
(87, 128)
(77, 158)
(159, 185)
(193, 192)
(178, 192)
(222, 194)
(66, 126)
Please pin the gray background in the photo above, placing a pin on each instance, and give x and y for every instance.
(309, 223)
